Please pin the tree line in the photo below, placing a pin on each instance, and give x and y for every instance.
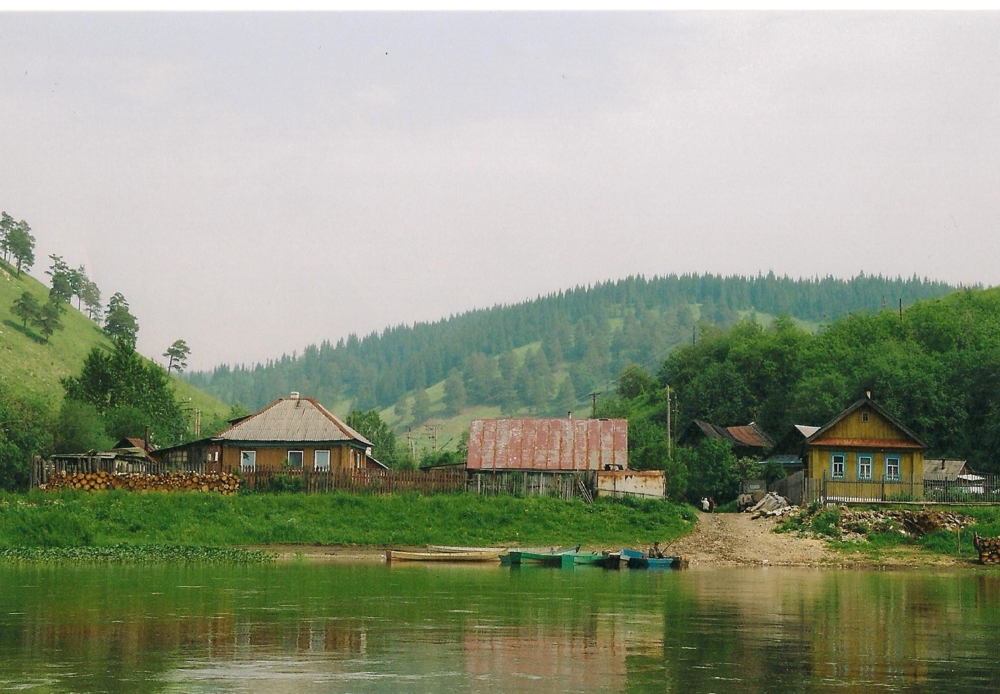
(934, 367)
(544, 356)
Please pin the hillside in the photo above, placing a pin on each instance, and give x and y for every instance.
(544, 356)
(32, 370)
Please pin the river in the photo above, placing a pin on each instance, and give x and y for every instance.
(373, 628)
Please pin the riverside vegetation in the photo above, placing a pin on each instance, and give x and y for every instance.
(106, 519)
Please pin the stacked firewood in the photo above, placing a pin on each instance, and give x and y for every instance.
(988, 548)
(222, 483)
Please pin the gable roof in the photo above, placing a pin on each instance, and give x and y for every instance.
(548, 444)
(943, 469)
(750, 435)
(297, 420)
(818, 436)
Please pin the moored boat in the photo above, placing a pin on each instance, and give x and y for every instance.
(638, 560)
(565, 558)
(481, 556)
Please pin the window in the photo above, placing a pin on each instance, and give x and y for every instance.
(294, 458)
(248, 461)
(864, 466)
(838, 461)
(892, 467)
(864, 416)
(321, 460)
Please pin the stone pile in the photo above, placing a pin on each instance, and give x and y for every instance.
(915, 523)
(222, 483)
(771, 506)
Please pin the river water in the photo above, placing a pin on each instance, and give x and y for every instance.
(373, 628)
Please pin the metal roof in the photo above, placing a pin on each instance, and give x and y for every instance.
(749, 435)
(548, 444)
(943, 469)
(294, 419)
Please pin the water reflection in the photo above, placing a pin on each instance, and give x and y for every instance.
(429, 629)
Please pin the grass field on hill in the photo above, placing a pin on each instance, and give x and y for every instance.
(31, 369)
(74, 519)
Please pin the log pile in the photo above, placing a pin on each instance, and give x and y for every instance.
(222, 483)
(988, 548)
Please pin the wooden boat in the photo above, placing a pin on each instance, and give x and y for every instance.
(449, 549)
(481, 556)
(607, 560)
(565, 558)
(639, 560)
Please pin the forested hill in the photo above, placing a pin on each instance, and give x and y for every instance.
(544, 356)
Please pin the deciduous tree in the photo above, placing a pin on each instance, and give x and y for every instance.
(26, 307)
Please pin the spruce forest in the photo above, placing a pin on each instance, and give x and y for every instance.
(544, 357)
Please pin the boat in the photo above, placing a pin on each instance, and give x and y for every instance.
(607, 560)
(638, 560)
(392, 555)
(565, 558)
(450, 549)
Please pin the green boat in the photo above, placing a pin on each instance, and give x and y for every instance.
(564, 559)
(607, 560)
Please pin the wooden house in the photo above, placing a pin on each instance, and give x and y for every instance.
(865, 445)
(290, 433)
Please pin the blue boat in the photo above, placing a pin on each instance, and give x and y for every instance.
(638, 560)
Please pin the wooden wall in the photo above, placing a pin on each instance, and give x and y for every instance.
(273, 457)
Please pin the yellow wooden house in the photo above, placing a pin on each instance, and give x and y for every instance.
(865, 453)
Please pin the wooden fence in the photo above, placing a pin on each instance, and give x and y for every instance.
(365, 481)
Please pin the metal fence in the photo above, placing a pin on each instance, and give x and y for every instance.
(802, 490)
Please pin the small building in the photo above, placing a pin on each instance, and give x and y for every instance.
(748, 440)
(939, 470)
(293, 432)
(595, 449)
(550, 445)
(790, 450)
(866, 444)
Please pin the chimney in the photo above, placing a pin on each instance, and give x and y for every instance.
(295, 395)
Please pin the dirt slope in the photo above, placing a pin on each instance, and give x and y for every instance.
(732, 539)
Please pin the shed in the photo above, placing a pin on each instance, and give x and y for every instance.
(549, 445)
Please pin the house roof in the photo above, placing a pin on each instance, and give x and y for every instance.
(943, 469)
(818, 437)
(294, 419)
(548, 444)
(749, 435)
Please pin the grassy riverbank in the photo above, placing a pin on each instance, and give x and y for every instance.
(71, 519)
(888, 543)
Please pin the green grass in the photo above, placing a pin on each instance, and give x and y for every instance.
(31, 369)
(130, 554)
(72, 519)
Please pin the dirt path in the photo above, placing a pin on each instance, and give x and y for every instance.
(732, 539)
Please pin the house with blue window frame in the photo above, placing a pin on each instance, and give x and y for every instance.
(866, 444)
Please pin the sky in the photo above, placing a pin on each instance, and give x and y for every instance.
(257, 182)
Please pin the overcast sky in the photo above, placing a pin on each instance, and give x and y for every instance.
(254, 183)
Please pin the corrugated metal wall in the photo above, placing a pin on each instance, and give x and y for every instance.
(548, 444)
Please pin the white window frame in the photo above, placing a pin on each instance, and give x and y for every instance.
(319, 467)
(838, 460)
(248, 461)
(862, 473)
(302, 459)
(889, 476)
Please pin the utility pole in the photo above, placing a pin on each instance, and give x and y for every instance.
(433, 428)
(669, 453)
(694, 334)
(410, 445)
(593, 408)
(901, 309)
